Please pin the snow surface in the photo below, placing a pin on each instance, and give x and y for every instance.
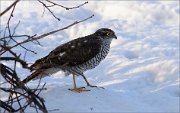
(141, 72)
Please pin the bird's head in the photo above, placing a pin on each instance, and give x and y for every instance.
(106, 33)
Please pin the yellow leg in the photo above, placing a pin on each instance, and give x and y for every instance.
(74, 81)
(75, 89)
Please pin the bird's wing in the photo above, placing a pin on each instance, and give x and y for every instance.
(77, 51)
(72, 53)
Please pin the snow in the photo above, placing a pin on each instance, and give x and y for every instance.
(141, 72)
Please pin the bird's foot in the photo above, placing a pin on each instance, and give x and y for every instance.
(79, 90)
(94, 86)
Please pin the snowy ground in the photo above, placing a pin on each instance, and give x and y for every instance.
(141, 72)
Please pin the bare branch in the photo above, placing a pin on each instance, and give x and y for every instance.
(22, 62)
(11, 77)
(6, 106)
(55, 4)
(67, 8)
(49, 10)
(16, 27)
(8, 23)
(8, 8)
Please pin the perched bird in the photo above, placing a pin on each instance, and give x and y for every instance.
(75, 57)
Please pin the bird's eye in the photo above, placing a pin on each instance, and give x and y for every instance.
(107, 33)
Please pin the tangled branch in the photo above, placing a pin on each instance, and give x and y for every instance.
(55, 4)
(20, 95)
(31, 96)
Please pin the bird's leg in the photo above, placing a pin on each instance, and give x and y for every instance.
(88, 84)
(75, 89)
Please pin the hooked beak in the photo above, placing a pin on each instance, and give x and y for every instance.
(115, 36)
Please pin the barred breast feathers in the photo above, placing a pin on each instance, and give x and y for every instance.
(92, 63)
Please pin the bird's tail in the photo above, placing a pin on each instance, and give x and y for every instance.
(41, 68)
(33, 76)
(44, 71)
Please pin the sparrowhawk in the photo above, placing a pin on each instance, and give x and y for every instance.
(75, 57)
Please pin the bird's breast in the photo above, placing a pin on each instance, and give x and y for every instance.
(92, 63)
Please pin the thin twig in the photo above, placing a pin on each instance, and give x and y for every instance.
(8, 23)
(8, 8)
(22, 62)
(49, 10)
(16, 27)
(67, 8)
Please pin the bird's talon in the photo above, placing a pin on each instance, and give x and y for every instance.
(102, 87)
(95, 86)
(92, 86)
(79, 90)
